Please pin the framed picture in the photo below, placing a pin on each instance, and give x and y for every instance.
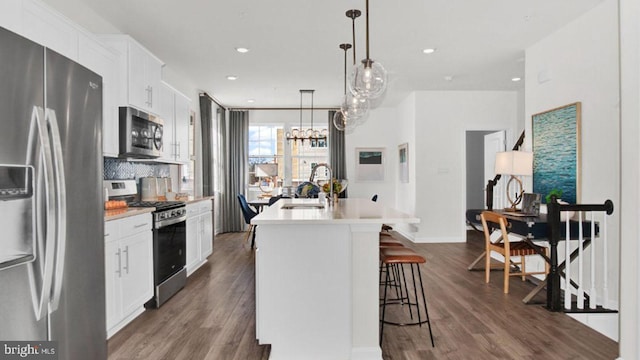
(369, 164)
(403, 161)
(556, 152)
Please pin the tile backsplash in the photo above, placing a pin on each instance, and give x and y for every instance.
(115, 169)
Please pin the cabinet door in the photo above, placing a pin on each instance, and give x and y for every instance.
(11, 15)
(137, 271)
(166, 112)
(181, 136)
(206, 239)
(104, 62)
(48, 28)
(113, 275)
(139, 89)
(153, 76)
(193, 246)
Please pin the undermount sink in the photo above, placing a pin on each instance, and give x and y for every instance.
(303, 206)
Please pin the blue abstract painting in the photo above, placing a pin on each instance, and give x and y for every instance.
(556, 152)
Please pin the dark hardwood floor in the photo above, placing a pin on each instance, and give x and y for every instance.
(213, 317)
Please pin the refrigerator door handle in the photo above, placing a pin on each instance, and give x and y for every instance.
(38, 133)
(61, 209)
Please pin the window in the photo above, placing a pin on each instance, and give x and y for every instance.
(264, 148)
(268, 144)
(304, 156)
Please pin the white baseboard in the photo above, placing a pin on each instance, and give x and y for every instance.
(366, 353)
(604, 323)
(437, 240)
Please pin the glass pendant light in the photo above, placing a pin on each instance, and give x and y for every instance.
(355, 108)
(369, 78)
(342, 123)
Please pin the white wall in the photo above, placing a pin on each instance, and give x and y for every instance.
(441, 120)
(433, 123)
(630, 179)
(381, 130)
(406, 192)
(580, 63)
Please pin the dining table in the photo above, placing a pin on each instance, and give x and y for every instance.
(259, 204)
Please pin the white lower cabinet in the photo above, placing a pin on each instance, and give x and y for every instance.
(199, 234)
(128, 269)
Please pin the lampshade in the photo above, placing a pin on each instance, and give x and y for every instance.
(514, 163)
(266, 170)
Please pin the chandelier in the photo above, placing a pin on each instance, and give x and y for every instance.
(306, 134)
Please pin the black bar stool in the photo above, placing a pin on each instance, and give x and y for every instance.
(398, 257)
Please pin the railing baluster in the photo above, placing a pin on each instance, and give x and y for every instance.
(567, 269)
(605, 256)
(580, 295)
(592, 291)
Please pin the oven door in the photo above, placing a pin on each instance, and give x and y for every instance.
(169, 249)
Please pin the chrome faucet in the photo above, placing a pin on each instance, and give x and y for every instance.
(313, 175)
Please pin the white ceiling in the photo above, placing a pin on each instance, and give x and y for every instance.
(294, 44)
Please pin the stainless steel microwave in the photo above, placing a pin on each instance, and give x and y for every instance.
(140, 134)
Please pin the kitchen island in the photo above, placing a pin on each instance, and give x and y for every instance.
(317, 278)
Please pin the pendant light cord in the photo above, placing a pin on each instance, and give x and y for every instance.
(353, 32)
(367, 22)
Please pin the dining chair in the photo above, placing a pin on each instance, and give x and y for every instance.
(508, 248)
(248, 214)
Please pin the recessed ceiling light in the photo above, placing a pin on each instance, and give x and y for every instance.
(242, 50)
(448, 78)
(251, 101)
(232, 77)
(429, 50)
(515, 79)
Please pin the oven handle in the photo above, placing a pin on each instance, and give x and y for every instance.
(164, 223)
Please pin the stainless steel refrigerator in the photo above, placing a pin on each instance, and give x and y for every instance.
(51, 219)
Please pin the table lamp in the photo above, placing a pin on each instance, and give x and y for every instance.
(514, 163)
(268, 171)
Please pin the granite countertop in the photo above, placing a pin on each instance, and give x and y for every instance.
(346, 211)
(195, 199)
(115, 214)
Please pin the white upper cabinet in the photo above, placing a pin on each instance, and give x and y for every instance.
(175, 112)
(181, 128)
(139, 74)
(49, 28)
(11, 15)
(104, 61)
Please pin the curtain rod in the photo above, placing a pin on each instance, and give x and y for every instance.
(283, 108)
(214, 100)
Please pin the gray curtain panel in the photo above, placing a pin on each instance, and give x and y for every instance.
(236, 149)
(207, 118)
(337, 151)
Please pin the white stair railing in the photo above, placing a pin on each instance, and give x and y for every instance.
(585, 242)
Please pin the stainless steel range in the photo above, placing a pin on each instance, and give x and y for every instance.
(169, 240)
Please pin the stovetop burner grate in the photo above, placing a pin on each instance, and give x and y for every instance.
(159, 205)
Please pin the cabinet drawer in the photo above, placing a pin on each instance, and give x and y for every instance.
(205, 206)
(111, 231)
(135, 224)
(193, 209)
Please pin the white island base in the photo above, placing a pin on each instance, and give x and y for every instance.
(317, 279)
